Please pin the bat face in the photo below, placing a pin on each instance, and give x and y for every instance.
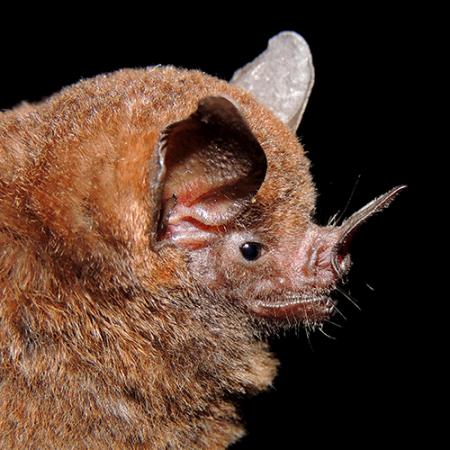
(249, 234)
(281, 278)
(153, 222)
(265, 255)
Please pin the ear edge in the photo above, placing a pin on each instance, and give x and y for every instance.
(213, 111)
(263, 75)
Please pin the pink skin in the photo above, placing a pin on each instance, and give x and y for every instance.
(306, 279)
(211, 168)
(291, 279)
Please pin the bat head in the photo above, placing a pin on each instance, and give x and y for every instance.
(202, 181)
(241, 204)
(154, 224)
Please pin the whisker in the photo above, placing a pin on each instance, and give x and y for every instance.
(307, 331)
(332, 219)
(333, 323)
(308, 337)
(326, 334)
(370, 287)
(349, 298)
(352, 193)
(335, 308)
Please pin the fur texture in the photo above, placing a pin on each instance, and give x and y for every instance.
(106, 342)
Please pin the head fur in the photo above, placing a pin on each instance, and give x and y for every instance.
(128, 316)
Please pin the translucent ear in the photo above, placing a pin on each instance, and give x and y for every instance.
(209, 166)
(281, 77)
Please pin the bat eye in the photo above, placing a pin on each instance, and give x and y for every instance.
(251, 250)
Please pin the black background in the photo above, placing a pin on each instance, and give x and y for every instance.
(367, 385)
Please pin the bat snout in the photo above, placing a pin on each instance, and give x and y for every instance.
(318, 263)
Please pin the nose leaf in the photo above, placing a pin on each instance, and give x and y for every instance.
(350, 225)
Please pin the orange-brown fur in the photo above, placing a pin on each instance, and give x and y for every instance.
(106, 343)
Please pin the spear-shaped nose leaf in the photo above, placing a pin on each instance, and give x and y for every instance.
(350, 225)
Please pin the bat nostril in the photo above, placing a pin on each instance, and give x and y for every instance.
(344, 262)
(322, 256)
(318, 259)
(340, 261)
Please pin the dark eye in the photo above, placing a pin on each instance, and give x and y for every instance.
(251, 250)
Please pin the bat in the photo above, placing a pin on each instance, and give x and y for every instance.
(156, 225)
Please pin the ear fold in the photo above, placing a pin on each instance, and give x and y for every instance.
(281, 77)
(209, 167)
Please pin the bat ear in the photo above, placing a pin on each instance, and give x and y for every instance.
(208, 167)
(281, 77)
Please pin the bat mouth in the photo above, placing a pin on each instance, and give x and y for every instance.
(307, 308)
